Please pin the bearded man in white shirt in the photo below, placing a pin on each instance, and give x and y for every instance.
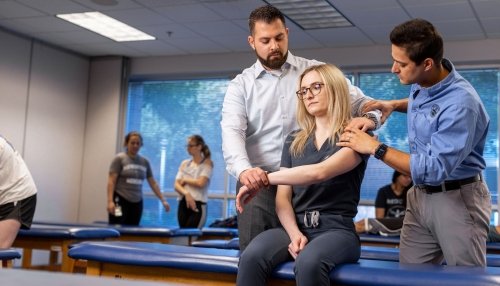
(259, 112)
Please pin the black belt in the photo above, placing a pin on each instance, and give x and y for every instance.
(449, 185)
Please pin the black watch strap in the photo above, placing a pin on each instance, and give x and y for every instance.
(380, 151)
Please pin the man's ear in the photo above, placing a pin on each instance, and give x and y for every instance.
(428, 64)
(251, 42)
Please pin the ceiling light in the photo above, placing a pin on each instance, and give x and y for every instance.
(106, 26)
(311, 14)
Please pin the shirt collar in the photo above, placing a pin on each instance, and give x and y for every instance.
(291, 61)
(442, 84)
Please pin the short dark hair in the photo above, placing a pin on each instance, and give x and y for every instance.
(395, 176)
(130, 134)
(265, 13)
(420, 39)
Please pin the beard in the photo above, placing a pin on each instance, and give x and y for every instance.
(274, 63)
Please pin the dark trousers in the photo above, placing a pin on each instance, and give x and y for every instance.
(188, 218)
(258, 215)
(131, 212)
(333, 242)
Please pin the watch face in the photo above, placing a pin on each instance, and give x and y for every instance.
(379, 153)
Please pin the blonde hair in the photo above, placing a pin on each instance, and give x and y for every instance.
(339, 107)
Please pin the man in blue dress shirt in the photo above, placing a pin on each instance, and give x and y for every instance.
(448, 209)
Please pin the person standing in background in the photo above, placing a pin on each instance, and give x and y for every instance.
(126, 176)
(192, 181)
(17, 194)
(259, 111)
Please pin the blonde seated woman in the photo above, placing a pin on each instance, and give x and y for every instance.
(318, 189)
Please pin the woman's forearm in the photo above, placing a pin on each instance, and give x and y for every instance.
(339, 163)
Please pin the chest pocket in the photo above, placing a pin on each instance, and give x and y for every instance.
(425, 123)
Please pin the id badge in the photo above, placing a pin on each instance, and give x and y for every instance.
(118, 211)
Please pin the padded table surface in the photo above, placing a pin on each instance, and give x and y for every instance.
(10, 253)
(218, 243)
(366, 272)
(54, 231)
(220, 231)
(155, 254)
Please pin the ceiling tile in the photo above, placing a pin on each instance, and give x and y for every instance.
(340, 37)
(139, 17)
(460, 30)
(9, 10)
(220, 26)
(94, 6)
(189, 13)
(216, 28)
(441, 11)
(53, 7)
(199, 46)
(486, 8)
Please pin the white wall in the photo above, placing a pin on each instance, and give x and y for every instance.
(43, 93)
(14, 77)
(101, 136)
(461, 53)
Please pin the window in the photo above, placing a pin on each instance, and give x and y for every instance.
(393, 132)
(167, 112)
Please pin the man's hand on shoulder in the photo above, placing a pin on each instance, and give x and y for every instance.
(385, 106)
(361, 123)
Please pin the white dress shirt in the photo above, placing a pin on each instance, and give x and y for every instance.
(259, 111)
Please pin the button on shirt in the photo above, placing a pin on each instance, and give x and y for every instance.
(259, 112)
(447, 128)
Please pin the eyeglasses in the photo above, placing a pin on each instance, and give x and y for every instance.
(191, 145)
(314, 88)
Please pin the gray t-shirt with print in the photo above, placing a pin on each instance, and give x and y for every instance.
(131, 174)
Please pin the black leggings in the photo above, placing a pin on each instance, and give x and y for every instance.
(131, 212)
(190, 219)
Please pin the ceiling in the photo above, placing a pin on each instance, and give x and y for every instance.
(188, 27)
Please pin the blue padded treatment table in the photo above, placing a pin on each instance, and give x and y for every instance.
(392, 254)
(367, 252)
(154, 261)
(7, 255)
(391, 273)
(218, 233)
(155, 234)
(493, 247)
(47, 237)
(379, 240)
(393, 241)
(197, 265)
(138, 233)
(218, 243)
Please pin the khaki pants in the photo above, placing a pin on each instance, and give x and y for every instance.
(450, 225)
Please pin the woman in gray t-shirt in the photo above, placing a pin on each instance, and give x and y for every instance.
(126, 176)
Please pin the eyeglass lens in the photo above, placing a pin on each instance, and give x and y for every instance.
(314, 88)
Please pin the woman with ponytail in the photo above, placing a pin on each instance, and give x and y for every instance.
(192, 182)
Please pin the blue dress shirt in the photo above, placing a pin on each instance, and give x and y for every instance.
(447, 128)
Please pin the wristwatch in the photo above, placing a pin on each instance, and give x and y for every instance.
(380, 151)
(373, 118)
